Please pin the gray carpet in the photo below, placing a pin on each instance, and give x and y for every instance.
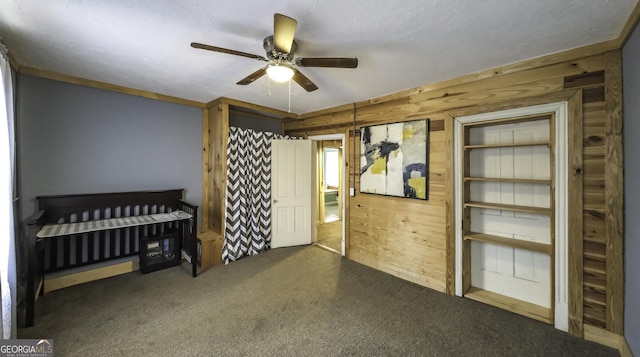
(301, 301)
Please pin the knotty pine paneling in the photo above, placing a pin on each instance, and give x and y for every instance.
(614, 192)
(594, 198)
(414, 240)
(405, 237)
(218, 133)
(594, 225)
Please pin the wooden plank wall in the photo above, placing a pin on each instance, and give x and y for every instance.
(215, 126)
(594, 232)
(414, 239)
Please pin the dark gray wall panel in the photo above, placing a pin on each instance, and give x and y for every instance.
(246, 121)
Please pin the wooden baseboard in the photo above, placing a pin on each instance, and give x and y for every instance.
(607, 338)
(61, 282)
(625, 350)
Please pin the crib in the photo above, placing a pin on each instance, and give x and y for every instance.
(99, 235)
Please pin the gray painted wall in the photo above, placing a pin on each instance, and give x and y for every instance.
(631, 115)
(76, 139)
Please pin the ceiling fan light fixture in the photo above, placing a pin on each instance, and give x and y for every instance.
(279, 72)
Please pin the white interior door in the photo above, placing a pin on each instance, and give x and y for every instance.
(291, 192)
(517, 273)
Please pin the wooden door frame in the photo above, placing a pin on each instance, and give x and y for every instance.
(343, 186)
(561, 110)
(320, 173)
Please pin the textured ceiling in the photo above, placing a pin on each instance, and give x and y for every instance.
(145, 44)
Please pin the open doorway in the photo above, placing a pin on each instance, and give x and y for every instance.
(329, 189)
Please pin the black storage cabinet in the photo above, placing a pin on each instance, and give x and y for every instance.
(159, 252)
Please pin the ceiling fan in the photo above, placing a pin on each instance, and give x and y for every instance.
(280, 49)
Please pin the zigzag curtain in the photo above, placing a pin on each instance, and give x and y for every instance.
(248, 193)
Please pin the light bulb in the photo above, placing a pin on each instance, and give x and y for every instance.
(280, 73)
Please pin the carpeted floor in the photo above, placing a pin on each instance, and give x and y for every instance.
(301, 301)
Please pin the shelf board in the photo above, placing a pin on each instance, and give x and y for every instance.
(528, 209)
(510, 242)
(511, 145)
(536, 312)
(512, 180)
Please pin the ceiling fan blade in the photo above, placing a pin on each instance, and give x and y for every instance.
(303, 81)
(335, 62)
(284, 28)
(253, 76)
(224, 50)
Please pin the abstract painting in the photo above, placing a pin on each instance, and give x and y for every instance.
(393, 159)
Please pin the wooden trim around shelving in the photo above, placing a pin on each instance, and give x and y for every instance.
(510, 242)
(524, 308)
(515, 120)
(491, 146)
(508, 180)
(529, 209)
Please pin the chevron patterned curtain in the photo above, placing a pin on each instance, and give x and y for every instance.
(248, 193)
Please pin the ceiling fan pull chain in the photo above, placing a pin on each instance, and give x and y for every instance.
(289, 96)
(269, 86)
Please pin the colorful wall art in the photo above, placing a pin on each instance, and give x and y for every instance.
(393, 159)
